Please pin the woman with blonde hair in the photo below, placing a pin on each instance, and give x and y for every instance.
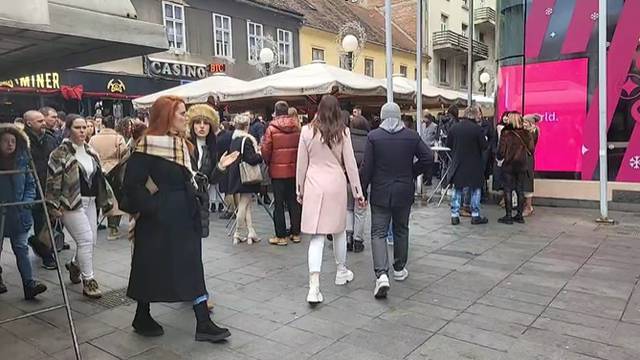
(247, 146)
(514, 150)
(325, 153)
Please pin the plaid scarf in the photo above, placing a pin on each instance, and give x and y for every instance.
(170, 148)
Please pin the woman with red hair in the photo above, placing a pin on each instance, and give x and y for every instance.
(159, 187)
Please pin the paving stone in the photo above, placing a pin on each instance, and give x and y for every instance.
(389, 343)
(87, 351)
(123, 344)
(326, 328)
(251, 324)
(12, 347)
(511, 304)
(441, 347)
(304, 341)
(474, 335)
(345, 351)
(605, 306)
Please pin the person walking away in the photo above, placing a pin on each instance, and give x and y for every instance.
(356, 215)
(530, 124)
(429, 136)
(390, 170)
(257, 128)
(75, 186)
(17, 220)
(167, 247)
(223, 141)
(247, 146)
(111, 148)
(280, 152)
(467, 142)
(515, 148)
(325, 153)
(42, 143)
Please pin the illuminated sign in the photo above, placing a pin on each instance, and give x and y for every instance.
(116, 86)
(217, 68)
(175, 70)
(38, 81)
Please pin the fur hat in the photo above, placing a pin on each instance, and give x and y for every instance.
(22, 140)
(203, 112)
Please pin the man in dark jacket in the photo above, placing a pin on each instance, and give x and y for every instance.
(467, 143)
(280, 152)
(257, 128)
(51, 121)
(390, 169)
(42, 144)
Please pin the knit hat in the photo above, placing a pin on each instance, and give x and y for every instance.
(390, 111)
(203, 112)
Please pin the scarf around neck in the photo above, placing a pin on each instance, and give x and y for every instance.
(170, 148)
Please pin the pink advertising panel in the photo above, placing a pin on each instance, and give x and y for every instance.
(556, 90)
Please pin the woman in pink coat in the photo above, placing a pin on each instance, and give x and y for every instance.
(324, 155)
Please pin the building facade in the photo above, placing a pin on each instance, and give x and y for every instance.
(548, 64)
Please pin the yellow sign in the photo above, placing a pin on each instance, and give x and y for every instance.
(38, 81)
(116, 86)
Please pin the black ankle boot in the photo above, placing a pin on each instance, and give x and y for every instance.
(144, 324)
(206, 330)
(33, 289)
(349, 241)
(508, 206)
(3, 287)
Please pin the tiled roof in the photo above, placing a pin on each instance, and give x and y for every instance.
(277, 4)
(330, 15)
(403, 13)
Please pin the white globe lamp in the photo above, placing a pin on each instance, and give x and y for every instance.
(266, 56)
(485, 78)
(350, 43)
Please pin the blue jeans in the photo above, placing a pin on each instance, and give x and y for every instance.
(21, 250)
(456, 201)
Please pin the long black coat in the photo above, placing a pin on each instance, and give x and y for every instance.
(223, 142)
(467, 143)
(389, 166)
(167, 255)
(251, 157)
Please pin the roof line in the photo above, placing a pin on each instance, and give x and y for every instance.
(273, 8)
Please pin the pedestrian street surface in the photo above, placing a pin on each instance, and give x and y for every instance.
(560, 287)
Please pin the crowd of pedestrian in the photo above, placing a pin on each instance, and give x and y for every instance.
(327, 172)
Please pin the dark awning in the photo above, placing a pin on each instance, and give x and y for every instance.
(40, 35)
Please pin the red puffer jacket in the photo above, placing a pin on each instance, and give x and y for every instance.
(280, 147)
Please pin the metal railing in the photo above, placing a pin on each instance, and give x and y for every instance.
(449, 39)
(484, 14)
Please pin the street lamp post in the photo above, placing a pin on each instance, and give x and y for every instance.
(266, 57)
(484, 80)
(350, 45)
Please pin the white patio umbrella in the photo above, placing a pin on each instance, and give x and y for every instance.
(433, 93)
(317, 78)
(195, 92)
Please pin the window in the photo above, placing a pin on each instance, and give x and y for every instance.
(465, 29)
(444, 22)
(480, 36)
(403, 70)
(444, 76)
(174, 24)
(254, 41)
(368, 67)
(463, 75)
(346, 61)
(317, 54)
(222, 36)
(285, 48)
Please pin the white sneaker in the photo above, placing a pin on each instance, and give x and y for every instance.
(400, 275)
(382, 287)
(343, 275)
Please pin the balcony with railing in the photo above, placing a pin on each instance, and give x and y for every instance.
(484, 18)
(450, 43)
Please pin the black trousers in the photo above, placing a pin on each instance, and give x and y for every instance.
(380, 218)
(513, 180)
(284, 193)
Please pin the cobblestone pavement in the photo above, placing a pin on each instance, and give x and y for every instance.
(559, 287)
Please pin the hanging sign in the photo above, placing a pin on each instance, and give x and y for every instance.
(175, 70)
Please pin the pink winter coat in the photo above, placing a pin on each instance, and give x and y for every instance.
(321, 182)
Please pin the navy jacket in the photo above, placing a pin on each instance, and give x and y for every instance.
(467, 143)
(389, 166)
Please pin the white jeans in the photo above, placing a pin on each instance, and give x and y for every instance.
(245, 221)
(316, 246)
(82, 224)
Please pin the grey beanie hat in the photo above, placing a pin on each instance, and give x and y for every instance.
(390, 111)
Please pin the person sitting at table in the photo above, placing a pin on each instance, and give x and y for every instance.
(467, 142)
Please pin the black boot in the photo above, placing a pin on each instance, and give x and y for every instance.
(33, 289)
(144, 324)
(508, 205)
(3, 287)
(206, 330)
(358, 246)
(519, 218)
(349, 241)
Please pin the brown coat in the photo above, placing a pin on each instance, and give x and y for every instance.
(516, 148)
(321, 182)
(111, 147)
(280, 147)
